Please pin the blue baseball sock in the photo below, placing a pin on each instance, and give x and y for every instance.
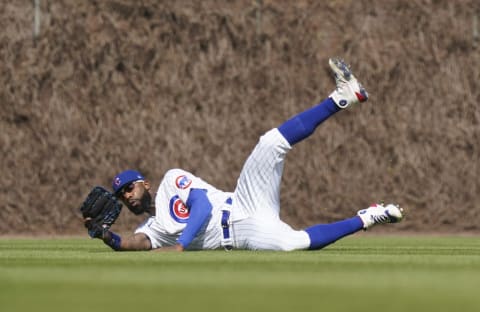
(302, 125)
(322, 235)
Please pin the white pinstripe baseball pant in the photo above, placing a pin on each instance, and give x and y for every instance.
(256, 200)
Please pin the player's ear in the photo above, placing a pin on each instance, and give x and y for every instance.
(147, 185)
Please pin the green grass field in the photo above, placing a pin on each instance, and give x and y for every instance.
(360, 273)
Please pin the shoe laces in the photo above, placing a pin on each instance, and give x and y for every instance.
(381, 218)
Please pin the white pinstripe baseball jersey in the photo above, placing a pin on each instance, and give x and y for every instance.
(254, 211)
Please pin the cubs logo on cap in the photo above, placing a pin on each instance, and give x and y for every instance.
(182, 182)
(124, 178)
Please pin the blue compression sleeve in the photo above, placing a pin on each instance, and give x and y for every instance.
(200, 210)
(302, 125)
(322, 235)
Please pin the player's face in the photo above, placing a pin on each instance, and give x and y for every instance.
(136, 197)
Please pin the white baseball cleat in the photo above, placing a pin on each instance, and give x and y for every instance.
(349, 91)
(378, 214)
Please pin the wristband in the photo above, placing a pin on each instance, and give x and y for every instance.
(114, 242)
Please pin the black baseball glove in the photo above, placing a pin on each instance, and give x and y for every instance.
(100, 210)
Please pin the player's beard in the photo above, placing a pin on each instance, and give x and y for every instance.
(144, 206)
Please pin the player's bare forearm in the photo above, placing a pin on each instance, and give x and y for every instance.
(174, 248)
(136, 242)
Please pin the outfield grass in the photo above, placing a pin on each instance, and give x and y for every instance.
(360, 273)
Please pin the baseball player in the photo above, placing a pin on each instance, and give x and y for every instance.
(187, 213)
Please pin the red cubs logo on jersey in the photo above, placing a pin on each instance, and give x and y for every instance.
(183, 182)
(178, 210)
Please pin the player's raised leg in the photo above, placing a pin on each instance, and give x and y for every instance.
(348, 92)
(258, 186)
(260, 178)
(322, 235)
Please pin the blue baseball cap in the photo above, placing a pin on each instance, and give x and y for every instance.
(124, 178)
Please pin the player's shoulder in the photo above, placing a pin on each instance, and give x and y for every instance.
(179, 177)
(176, 172)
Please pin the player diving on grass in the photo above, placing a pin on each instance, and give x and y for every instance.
(187, 213)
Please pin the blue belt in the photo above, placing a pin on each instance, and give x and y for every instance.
(227, 241)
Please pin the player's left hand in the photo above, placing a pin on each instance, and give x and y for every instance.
(100, 210)
(95, 230)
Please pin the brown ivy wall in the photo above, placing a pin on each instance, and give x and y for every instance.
(151, 85)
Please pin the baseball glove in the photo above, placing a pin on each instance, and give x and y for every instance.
(100, 210)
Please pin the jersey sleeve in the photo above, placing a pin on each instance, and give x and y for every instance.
(146, 229)
(189, 205)
(200, 211)
(181, 182)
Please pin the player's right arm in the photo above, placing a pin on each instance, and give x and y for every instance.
(136, 242)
